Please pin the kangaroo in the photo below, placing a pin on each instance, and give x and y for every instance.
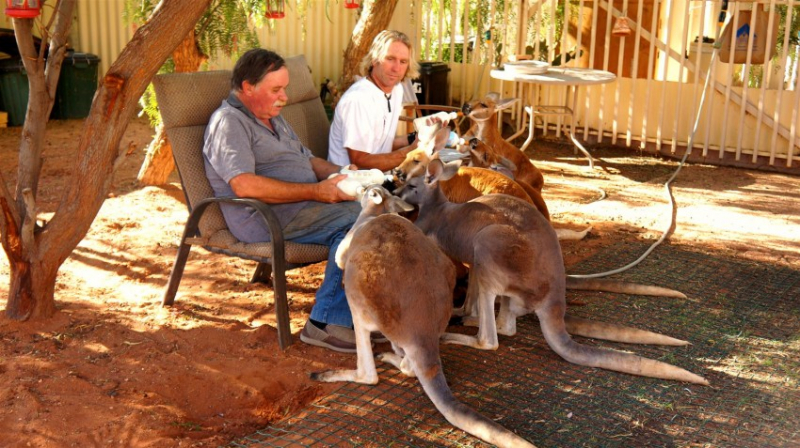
(379, 255)
(483, 156)
(483, 121)
(471, 182)
(417, 163)
(513, 252)
(468, 183)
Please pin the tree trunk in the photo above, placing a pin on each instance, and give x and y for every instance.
(36, 253)
(158, 162)
(374, 18)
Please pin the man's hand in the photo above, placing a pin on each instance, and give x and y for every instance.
(327, 190)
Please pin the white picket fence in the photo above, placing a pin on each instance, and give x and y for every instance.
(750, 114)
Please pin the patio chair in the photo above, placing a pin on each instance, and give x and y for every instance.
(187, 101)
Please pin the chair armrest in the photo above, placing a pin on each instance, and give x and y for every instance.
(266, 212)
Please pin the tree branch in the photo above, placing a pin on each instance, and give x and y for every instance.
(5, 193)
(43, 80)
(113, 106)
(29, 223)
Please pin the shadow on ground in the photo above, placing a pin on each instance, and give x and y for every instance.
(743, 319)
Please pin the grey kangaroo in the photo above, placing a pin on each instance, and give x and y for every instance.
(456, 190)
(513, 253)
(400, 283)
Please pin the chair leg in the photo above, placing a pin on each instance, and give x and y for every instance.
(281, 309)
(262, 274)
(177, 273)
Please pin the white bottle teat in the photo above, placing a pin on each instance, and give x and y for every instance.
(357, 181)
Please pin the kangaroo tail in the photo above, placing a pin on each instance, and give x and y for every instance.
(601, 284)
(462, 416)
(572, 235)
(559, 340)
(617, 333)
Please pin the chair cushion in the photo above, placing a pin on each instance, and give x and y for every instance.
(304, 110)
(295, 253)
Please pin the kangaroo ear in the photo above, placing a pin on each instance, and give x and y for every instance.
(397, 205)
(435, 170)
(493, 97)
(504, 103)
(441, 138)
(375, 196)
(508, 164)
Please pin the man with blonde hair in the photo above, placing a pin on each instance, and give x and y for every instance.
(365, 123)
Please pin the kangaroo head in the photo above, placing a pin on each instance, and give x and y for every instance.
(417, 160)
(377, 201)
(483, 156)
(481, 112)
(423, 184)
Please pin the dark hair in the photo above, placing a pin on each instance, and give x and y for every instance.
(254, 65)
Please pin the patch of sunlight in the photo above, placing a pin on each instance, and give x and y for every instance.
(762, 365)
(96, 347)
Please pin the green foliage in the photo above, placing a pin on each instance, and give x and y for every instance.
(487, 37)
(227, 27)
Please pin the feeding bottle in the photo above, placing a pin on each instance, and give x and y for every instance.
(443, 116)
(358, 180)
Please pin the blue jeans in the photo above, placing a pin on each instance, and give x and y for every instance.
(326, 224)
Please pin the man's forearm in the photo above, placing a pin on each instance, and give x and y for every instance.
(273, 191)
(322, 168)
(383, 162)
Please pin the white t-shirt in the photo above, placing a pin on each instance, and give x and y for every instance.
(363, 122)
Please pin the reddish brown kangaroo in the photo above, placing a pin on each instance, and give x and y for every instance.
(483, 121)
(400, 283)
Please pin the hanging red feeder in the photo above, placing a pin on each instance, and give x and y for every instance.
(351, 4)
(23, 9)
(275, 9)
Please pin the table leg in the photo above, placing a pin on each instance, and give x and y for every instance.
(523, 91)
(572, 129)
(529, 111)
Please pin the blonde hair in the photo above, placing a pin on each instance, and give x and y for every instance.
(380, 47)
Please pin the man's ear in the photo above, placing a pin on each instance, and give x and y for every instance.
(248, 88)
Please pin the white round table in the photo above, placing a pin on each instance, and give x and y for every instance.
(571, 77)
